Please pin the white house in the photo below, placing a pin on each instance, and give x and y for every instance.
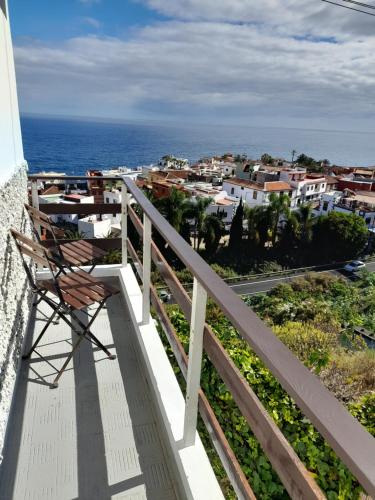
(111, 197)
(361, 203)
(68, 199)
(305, 187)
(225, 207)
(93, 227)
(254, 194)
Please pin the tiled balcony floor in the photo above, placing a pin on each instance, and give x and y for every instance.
(94, 437)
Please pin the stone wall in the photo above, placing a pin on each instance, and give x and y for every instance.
(14, 291)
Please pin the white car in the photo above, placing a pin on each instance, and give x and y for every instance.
(354, 266)
(165, 296)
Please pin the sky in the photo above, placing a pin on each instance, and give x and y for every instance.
(289, 63)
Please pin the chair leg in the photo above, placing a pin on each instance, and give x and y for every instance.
(100, 345)
(55, 383)
(86, 330)
(28, 354)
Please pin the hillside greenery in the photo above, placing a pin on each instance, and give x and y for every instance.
(314, 317)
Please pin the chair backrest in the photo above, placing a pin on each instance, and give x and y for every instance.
(39, 254)
(39, 218)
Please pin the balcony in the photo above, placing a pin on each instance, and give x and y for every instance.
(124, 429)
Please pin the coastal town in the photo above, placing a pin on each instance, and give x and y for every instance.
(224, 181)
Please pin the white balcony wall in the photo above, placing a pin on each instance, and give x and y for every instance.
(11, 150)
(14, 291)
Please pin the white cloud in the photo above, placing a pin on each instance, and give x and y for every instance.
(91, 21)
(216, 70)
(289, 16)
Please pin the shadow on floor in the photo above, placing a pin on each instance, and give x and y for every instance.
(107, 464)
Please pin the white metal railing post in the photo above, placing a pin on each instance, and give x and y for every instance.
(146, 269)
(124, 224)
(198, 317)
(35, 204)
(35, 199)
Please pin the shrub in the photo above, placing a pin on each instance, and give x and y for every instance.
(223, 271)
(331, 474)
(350, 374)
(311, 345)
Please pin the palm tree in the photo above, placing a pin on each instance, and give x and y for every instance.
(174, 208)
(290, 232)
(305, 221)
(197, 211)
(213, 230)
(279, 205)
(252, 216)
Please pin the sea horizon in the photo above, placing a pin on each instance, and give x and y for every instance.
(75, 144)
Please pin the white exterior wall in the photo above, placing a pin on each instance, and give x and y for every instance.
(14, 292)
(11, 150)
(111, 197)
(246, 194)
(305, 190)
(90, 227)
(229, 210)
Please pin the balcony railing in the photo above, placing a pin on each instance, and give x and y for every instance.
(347, 437)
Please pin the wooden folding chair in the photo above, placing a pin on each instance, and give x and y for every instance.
(67, 293)
(75, 253)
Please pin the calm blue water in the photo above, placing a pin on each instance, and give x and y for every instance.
(73, 146)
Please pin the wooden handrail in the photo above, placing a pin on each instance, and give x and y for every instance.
(292, 472)
(227, 457)
(40, 177)
(80, 208)
(348, 438)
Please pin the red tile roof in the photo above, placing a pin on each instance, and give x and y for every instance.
(267, 186)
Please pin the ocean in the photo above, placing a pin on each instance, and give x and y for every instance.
(73, 146)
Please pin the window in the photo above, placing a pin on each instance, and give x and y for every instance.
(3, 7)
(323, 186)
(255, 195)
(242, 188)
(107, 200)
(368, 221)
(232, 191)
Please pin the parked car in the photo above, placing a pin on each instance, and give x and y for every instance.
(165, 296)
(354, 266)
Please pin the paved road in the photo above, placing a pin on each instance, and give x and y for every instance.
(266, 284)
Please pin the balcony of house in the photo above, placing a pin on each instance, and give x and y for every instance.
(126, 427)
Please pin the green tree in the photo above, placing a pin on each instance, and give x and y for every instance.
(306, 161)
(198, 211)
(174, 208)
(236, 229)
(252, 216)
(305, 221)
(279, 206)
(267, 159)
(340, 236)
(213, 229)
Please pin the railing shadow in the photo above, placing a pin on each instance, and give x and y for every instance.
(140, 406)
(91, 457)
(12, 444)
